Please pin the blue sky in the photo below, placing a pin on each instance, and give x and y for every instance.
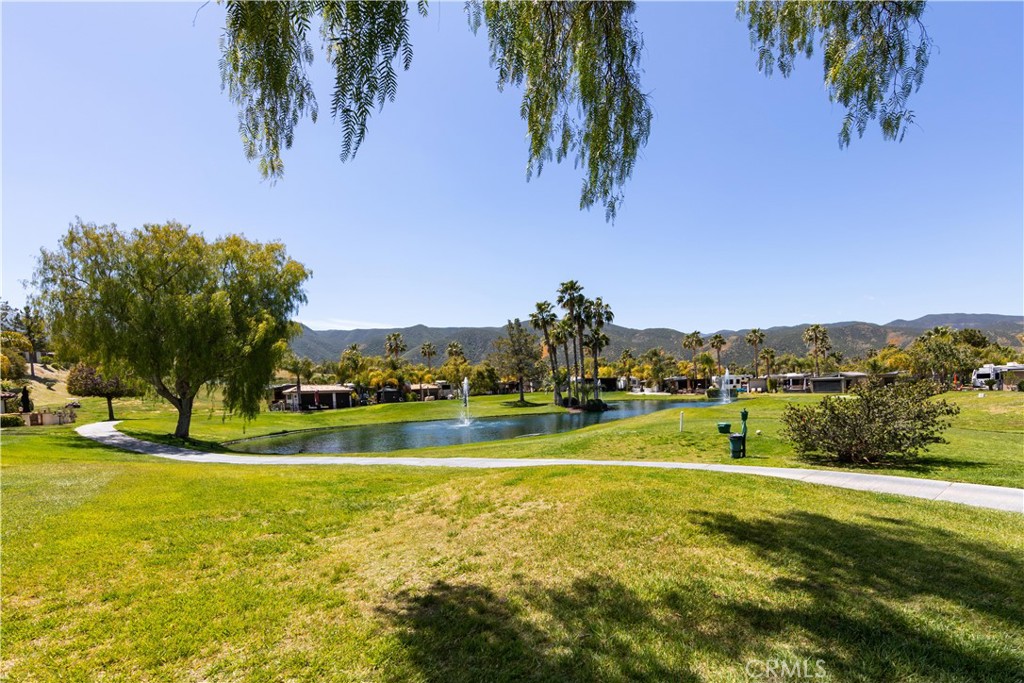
(742, 211)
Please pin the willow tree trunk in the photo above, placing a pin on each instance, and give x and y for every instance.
(184, 417)
(110, 408)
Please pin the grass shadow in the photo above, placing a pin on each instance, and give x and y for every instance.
(927, 464)
(521, 403)
(847, 585)
(171, 440)
(597, 629)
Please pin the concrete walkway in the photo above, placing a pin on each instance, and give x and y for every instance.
(977, 495)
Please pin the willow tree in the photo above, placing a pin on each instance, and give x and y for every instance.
(577, 65)
(173, 310)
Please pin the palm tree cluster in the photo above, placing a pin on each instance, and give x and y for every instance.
(366, 372)
(580, 328)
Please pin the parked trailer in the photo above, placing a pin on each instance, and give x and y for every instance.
(993, 373)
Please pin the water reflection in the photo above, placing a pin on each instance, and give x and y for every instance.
(383, 438)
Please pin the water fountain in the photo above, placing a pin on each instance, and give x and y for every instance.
(724, 395)
(464, 413)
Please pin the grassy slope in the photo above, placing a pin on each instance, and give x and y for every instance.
(139, 569)
(986, 445)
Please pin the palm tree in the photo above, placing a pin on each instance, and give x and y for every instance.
(543, 319)
(718, 343)
(599, 315)
(300, 367)
(692, 341)
(627, 361)
(768, 356)
(560, 334)
(428, 351)
(707, 365)
(755, 338)
(595, 341)
(816, 339)
(454, 350)
(394, 345)
(570, 298)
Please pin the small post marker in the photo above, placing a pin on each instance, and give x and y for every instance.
(680, 421)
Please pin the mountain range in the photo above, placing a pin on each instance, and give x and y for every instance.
(850, 338)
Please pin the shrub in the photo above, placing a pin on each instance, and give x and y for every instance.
(11, 421)
(1020, 385)
(713, 393)
(876, 422)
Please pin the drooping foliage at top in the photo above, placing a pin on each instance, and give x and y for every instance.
(578, 65)
(265, 52)
(875, 54)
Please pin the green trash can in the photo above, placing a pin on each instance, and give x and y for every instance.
(724, 427)
(736, 445)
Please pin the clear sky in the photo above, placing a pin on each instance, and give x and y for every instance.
(742, 211)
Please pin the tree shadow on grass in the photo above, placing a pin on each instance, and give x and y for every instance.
(595, 630)
(171, 440)
(522, 404)
(851, 587)
(927, 464)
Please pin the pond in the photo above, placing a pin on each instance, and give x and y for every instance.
(384, 438)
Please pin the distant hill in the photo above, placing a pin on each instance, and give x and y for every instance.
(850, 338)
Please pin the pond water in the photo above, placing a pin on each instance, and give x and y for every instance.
(384, 438)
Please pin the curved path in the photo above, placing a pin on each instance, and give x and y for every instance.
(977, 495)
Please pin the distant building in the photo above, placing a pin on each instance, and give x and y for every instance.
(838, 383)
(319, 397)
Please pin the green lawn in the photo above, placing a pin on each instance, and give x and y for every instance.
(124, 567)
(986, 444)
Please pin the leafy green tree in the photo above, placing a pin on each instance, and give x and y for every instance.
(29, 321)
(938, 354)
(816, 339)
(518, 354)
(84, 380)
(544, 319)
(483, 379)
(718, 342)
(12, 364)
(972, 337)
(694, 342)
(178, 312)
(879, 422)
(577, 65)
(755, 338)
(657, 364)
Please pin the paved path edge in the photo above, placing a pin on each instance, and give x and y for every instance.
(975, 495)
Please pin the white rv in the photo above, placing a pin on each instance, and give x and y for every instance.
(990, 371)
